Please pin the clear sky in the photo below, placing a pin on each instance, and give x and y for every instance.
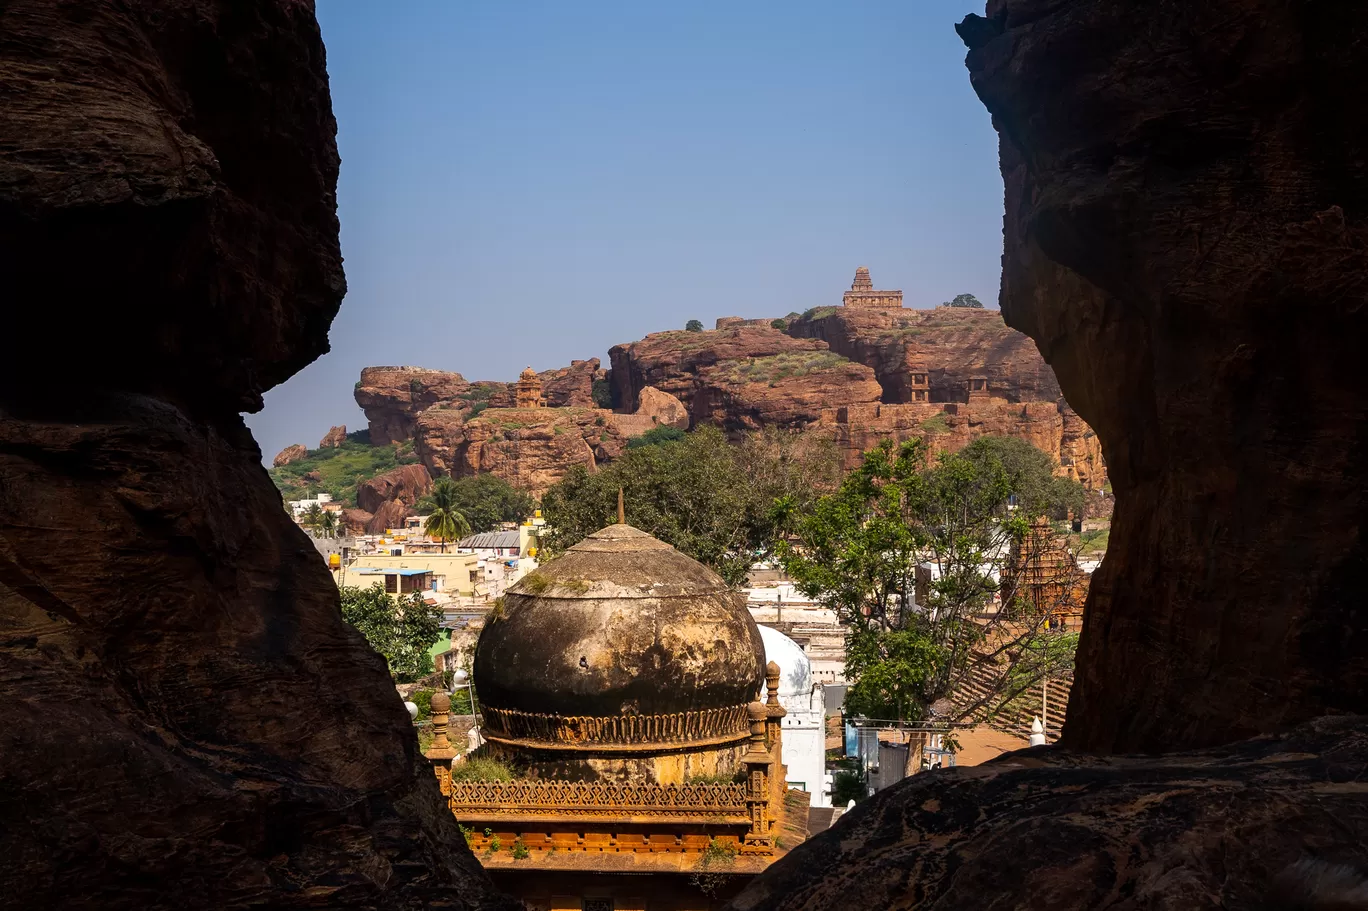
(531, 182)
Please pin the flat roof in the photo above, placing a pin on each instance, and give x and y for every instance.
(381, 571)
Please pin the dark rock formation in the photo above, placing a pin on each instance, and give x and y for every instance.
(1229, 829)
(291, 453)
(334, 437)
(355, 521)
(1186, 239)
(404, 485)
(185, 719)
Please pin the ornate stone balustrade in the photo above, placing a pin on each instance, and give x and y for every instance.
(615, 732)
(487, 800)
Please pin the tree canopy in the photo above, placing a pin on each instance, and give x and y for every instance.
(485, 500)
(711, 499)
(965, 300)
(400, 629)
(1030, 476)
(694, 325)
(922, 561)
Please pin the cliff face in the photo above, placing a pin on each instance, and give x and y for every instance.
(1188, 245)
(393, 397)
(951, 344)
(185, 719)
(741, 378)
(1051, 427)
(1047, 829)
(404, 485)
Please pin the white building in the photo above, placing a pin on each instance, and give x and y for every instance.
(299, 507)
(804, 727)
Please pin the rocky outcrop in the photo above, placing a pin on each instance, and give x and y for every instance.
(740, 378)
(950, 344)
(533, 448)
(334, 437)
(404, 485)
(393, 397)
(389, 514)
(292, 453)
(185, 719)
(661, 408)
(356, 521)
(1051, 427)
(570, 387)
(1188, 246)
(1263, 824)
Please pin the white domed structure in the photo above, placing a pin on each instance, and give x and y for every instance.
(795, 670)
(804, 724)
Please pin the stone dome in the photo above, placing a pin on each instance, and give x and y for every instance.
(621, 641)
(795, 668)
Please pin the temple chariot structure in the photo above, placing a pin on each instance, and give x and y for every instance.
(863, 296)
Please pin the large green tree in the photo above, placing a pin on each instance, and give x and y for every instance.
(485, 501)
(921, 561)
(445, 521)
(400, 629)
(1030, 475)
(712, 499)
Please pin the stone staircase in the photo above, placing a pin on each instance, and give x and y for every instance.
(1016, 718)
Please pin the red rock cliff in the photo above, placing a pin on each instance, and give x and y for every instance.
(1187, 241)
(187, 721)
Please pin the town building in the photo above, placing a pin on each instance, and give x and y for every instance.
(862, 295)
(622, 682)
(804, 724)
(321, 500)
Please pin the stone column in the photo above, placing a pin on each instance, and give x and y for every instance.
(774, 732)
(440, 752)
(759, 768)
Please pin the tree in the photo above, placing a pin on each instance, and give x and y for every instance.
(964, 300)
(924, 564)
(327, 525)
(711, 499)
(485, 500)
(602, 393)
(444, 520)
(312, 517)
(400, 629)
(1030, 474)
(693, 325)
(656, 436)
(779, 324)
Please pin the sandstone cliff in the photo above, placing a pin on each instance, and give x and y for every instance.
(1186, 239)
(289, 454)
(334, 437)
(392, 397)
(404, 485)
(1045, 829)
(742, 377)
(950, 344)
(185, 719)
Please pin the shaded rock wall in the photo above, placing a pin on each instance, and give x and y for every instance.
(1046, 829)
(1186, 239)
(185, 719)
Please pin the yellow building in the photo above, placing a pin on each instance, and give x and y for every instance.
(455, 574)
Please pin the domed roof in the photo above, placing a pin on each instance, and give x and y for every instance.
(621, 640)
(795, 669)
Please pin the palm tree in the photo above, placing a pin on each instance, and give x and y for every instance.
(312, 517)
(444, 520)
(327, 524)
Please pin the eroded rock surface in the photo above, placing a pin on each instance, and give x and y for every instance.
(185, 719)
(1226, 829)
(405, 485)
(393, 397)
(334, 437)
(1186, 239)
(291, 453)
(950, 344)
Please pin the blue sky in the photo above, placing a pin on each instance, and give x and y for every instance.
(531, 182)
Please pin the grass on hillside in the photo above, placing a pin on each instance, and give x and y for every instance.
(778, 367)
(937, 423)
(340, 470)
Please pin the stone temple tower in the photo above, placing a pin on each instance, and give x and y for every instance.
(529, 391)
(862, 295)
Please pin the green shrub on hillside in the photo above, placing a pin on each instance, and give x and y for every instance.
(341, 470)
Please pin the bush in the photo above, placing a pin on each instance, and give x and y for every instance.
(847, 786)
(422, 699)
(656, 436)
(603, 393)
(481, 769)
(778, 324)
(693, 325)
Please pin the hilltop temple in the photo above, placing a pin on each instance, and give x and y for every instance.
(862, 295)
(621, 683)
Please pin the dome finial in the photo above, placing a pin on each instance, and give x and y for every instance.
(622, 512)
